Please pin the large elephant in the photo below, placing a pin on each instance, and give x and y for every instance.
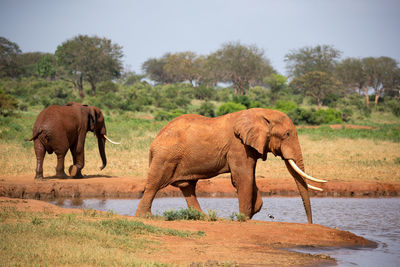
(193, 147)
(61, 128)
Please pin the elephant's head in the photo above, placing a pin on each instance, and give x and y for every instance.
(272, 131)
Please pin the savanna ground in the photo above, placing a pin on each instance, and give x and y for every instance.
(36, 233)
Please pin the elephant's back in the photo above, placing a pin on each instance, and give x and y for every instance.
(51, 116)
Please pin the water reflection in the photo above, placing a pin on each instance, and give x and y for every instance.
(372, 218)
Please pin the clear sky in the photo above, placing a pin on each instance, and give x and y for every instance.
(150, 28)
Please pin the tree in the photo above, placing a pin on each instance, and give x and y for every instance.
(380, 73)
(154, 69)
(45, 66)
(276, 83)
(320, 58)
(351, 73)
(27, 63)
(316, 84)
(9, 53)
(181, 67)
(92, 59)
(241, 65)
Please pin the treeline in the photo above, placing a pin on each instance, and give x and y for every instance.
(236, 76)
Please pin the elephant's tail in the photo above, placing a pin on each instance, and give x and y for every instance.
(34, 136)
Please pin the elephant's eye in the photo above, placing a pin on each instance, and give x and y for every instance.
(286, 135)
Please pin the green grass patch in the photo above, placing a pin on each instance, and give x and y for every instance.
(87, 239)
(183, 214)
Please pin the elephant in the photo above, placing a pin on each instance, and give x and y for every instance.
(193, 147)
(61, 128)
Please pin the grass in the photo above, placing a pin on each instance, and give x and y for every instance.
(45, 239)
(344, 154)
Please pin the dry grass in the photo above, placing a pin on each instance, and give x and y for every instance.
(340, 159)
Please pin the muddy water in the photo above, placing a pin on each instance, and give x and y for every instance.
(373, 218)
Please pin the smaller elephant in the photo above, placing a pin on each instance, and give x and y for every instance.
(61, 128)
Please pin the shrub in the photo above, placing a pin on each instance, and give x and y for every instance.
(7, 103)
(207, 109)
(239, 217)
(212, 215)
(242, 99)
(163, 115)
(203, 92)
(230, 107)
(183, 214)
(394, 106)
(315, 117)
(285, 106)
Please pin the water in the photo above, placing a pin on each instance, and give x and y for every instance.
(377, 219)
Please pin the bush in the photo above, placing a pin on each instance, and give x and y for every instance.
(203, 92)
(230, 107)
(183, 214)
(163, 115)
(207, 109)
(285, 106)
(242, 99)
(394, 106)
(7, 103)
(315, 117)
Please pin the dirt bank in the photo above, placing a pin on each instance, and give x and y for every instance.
(251, 243)
(132, 187)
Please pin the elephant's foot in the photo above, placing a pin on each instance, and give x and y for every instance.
(61, 175)
(39, 176)
(75, 172)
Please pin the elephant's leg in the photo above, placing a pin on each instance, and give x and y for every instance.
(243, 177)
(188, 189)
(40, 152)
(160, 173)
(74, 169)
(60, 173)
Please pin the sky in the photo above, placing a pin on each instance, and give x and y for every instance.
(150, 28)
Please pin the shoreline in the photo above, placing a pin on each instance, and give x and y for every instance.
(251, 243)
(25, 187)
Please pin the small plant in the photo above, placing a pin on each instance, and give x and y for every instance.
(183, 214)
(36, 221)
(212, 215)
(240, 217)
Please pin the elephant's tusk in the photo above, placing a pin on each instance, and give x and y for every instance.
(314, 188)
(111, 141)
(303, 174)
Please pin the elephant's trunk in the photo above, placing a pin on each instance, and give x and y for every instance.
(101, 144)
(301, 185)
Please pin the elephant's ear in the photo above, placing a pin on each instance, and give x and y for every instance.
(253, 129)
(92, 119)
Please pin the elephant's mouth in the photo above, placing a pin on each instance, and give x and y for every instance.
(306, 176)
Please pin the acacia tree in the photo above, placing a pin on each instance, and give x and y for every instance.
(319, 58)
(154, 69)
(380, 74)
(316, 84)
(87, 58)
(182, 66)
(241, 65)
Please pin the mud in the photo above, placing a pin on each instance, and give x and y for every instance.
(26, 187)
